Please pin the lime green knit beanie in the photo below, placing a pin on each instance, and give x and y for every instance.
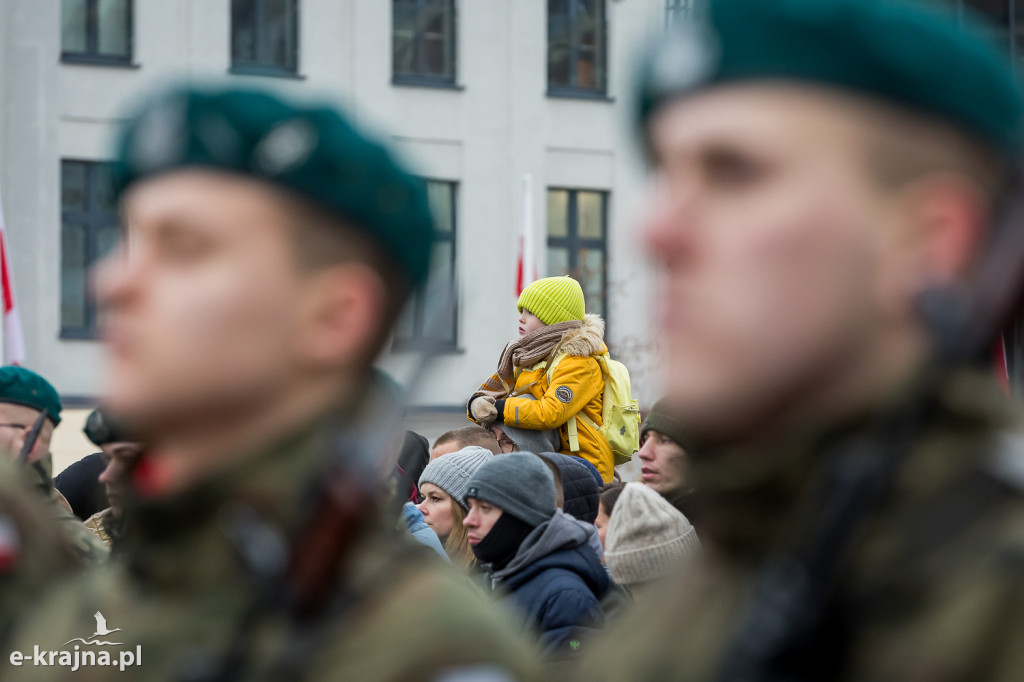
(554, 300)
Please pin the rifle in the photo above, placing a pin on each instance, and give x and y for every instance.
(795, 629)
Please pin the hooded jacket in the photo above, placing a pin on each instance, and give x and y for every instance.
(577, 385)
(581, 489)
(556, 582)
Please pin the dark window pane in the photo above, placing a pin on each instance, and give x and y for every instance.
(112, 25)
(72, 185)
(577, 242)
(432, 314)
(558, 261)
(440, 196)
(558, 213)
(243, 31)
(73, 25)
(279, 24)
(90, 230)
(590, 275)
(423, 39)
(439, 304)
(590, 206)
(73, 276)
(576, 45)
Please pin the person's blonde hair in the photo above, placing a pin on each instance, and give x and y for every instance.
(456, 545)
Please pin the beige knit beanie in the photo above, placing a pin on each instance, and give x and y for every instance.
(647, 537)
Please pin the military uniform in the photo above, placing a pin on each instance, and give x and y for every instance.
(184, 595)
(882, 542)
(934, 590)
(85, 546)
(33, 551)
(272, 560)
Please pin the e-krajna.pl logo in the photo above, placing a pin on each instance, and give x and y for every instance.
(79, 657)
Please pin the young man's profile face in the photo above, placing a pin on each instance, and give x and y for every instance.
(204, 301)
(777, 251)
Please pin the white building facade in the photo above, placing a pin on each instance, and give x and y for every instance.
(516, 111)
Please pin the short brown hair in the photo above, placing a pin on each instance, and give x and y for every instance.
(322, 239)
(470, 435)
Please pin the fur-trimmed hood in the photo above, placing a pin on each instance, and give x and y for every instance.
(587, 340)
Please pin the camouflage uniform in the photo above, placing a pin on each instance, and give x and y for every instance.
(933, 591)
(184, 597)
(97, 525)
(33, 552)
(86, 547)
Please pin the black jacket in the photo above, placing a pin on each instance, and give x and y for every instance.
(556, 581)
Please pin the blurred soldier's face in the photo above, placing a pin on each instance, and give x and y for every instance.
(209, 315)
(781, 261)
(119, 458)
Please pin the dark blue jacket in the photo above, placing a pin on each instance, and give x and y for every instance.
(556, 582)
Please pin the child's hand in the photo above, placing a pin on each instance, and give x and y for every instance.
(483, 410)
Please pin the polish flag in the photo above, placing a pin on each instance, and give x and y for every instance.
(526, 266)
(13, 338)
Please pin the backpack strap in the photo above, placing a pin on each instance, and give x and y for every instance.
(572, 431)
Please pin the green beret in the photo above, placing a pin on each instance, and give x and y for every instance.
(902, 52)
(311, 150)
(24, 387)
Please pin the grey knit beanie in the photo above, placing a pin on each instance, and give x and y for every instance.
(647, 537)
(519, 483)
(451, 472)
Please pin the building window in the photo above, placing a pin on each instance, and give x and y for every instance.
(430, 319)
(577, 47)
(423, 41)
(265, 37)
(90, 228)
(577, 242)
(677, 11)
(96, 31)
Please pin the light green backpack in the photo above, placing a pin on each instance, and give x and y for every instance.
(620, 423)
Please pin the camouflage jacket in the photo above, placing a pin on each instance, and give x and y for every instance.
(33, 551)
(181, 603)
(931, 588)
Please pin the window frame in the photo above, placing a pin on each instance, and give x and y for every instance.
(91, 54)
(265, 68)
(573, 243)
(417, 304)
(451, 46)
(600, 92)
(92, 219)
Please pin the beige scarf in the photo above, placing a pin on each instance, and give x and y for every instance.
(523, 352)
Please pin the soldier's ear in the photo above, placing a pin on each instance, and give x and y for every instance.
(346, 308)
(950, 216)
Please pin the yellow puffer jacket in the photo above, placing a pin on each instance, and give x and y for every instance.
(576, 385)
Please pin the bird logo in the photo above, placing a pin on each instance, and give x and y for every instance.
(101, 631)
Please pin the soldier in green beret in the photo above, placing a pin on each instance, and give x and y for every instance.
(25, 397)
(835, 217)
(269, 247)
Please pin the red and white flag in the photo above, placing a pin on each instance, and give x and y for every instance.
(13, 337)
(526, 267)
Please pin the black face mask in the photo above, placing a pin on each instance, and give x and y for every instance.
(501, 543)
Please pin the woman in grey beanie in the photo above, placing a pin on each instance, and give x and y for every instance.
(443, 486)
(540, 559)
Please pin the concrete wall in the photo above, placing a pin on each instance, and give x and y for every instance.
(486, 135)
